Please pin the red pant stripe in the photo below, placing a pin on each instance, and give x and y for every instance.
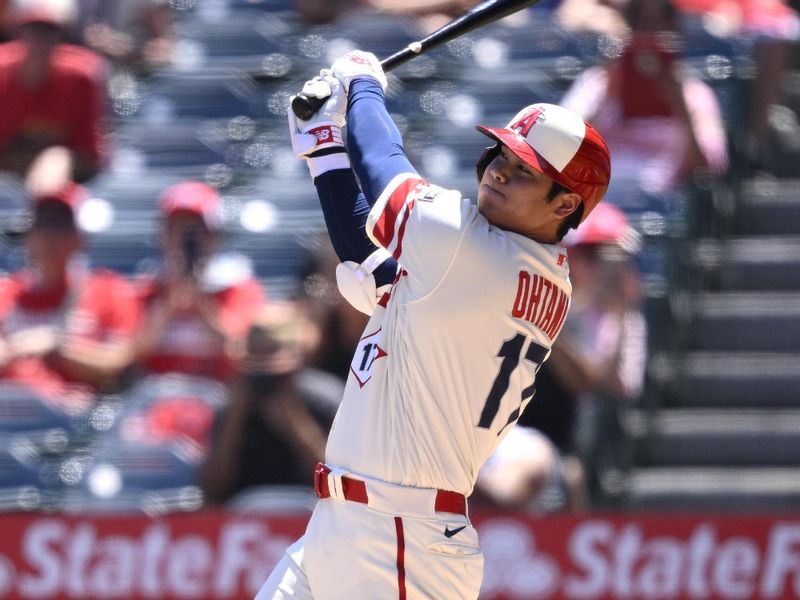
(401, 567)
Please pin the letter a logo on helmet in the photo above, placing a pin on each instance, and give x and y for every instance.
(528, 120)
(560, 144)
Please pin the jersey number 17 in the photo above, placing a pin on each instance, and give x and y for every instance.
(511, 353)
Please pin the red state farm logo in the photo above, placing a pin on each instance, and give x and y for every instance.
(367, 352)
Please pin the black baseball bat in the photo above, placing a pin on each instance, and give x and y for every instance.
(486, 12)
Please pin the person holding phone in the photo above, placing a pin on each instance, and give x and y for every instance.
(201, 304)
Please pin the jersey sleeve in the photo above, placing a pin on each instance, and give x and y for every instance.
(421, 225)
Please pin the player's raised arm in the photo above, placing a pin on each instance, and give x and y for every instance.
(365, 268)
(373, 140)
(420, 224)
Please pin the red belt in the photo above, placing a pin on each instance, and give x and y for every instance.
(355, 490)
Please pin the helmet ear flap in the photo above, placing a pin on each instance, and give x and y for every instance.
(488, 156)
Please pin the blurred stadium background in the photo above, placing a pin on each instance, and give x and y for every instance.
(718, 428)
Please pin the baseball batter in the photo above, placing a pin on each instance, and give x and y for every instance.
(478, 293)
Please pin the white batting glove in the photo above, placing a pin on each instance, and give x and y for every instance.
(357, 64)
(324, 130)
(319, 140)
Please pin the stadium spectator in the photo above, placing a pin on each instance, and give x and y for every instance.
(274, 429)
(600, 355)
(135, 35)
(200, 305)
(53, 122)
(773, 26)
(66, 330)
(662, 125)
(593, 16)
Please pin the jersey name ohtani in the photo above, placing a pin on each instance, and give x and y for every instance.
(541, 302)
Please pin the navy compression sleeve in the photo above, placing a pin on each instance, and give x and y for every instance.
(345, 210)
(373, 141)
(376, 152)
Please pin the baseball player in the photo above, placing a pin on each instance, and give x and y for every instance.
(448, 359)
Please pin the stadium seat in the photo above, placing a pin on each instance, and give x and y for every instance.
(22, 409)
(693, 437)
(267, 5)
(707, 488)
(379, 33)
(279, 499)
(171, 145)
(126, 253)
(205, 95)
(20, 463)
(152, 450)
(251, 41)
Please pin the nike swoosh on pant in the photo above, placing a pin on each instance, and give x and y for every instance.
(451, 532)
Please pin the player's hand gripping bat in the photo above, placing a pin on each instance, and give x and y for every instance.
(484, 13)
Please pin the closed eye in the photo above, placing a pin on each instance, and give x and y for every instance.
(522, 166)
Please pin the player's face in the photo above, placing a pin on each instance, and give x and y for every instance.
(514, 196)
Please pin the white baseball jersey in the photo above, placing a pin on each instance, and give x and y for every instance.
(449, 357)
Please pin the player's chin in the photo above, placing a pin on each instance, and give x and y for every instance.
(492, 212)
(489, 199)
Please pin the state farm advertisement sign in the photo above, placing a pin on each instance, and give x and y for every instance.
(652, 557)
(203, 555)
(216, 555)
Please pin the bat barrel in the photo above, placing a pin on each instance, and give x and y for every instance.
(478, 16)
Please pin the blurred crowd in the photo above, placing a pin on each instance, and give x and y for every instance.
(78, 339)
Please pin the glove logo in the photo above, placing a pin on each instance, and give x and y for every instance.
(323, 135)
(358, 59)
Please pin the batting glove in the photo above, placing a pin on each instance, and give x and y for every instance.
(319, 140)
(357, 64)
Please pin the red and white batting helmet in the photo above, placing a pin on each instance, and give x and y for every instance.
(560, 144)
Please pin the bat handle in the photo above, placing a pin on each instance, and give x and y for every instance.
(304, 107)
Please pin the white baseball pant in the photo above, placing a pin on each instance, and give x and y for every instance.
(396, 546)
